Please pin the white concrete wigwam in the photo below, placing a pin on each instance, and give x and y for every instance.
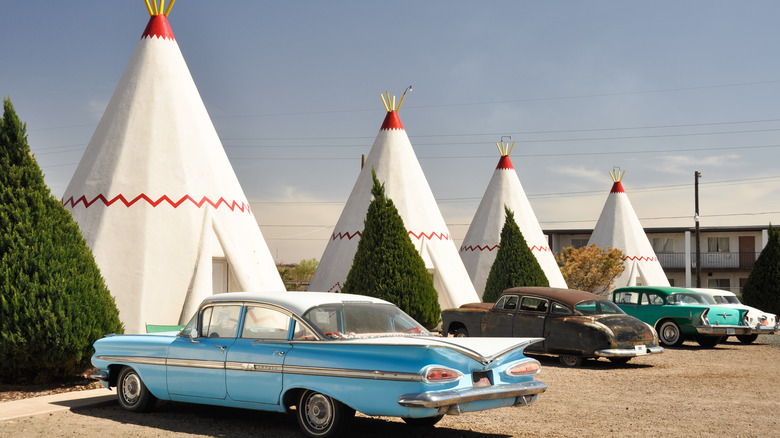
(156, 198)
(396, 165)
(480, 246)
(619, 227)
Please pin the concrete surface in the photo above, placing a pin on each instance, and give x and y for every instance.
(56, 402)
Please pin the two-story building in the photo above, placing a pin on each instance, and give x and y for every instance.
(727, 253)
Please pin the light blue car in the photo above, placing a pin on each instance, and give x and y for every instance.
(328, 355)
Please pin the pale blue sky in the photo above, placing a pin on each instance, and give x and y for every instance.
(660, 89)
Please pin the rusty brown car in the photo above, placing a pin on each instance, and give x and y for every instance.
(575, 324)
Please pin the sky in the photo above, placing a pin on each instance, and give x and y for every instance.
(658, 89)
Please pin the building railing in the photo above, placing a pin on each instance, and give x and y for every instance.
(709, 260)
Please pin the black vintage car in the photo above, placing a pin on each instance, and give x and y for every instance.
(574, 324)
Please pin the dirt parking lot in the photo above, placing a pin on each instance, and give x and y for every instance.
(732, 390)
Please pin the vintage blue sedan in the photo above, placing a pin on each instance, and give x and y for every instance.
(327, 355)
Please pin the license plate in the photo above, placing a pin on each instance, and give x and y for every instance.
(481, 378)
(730, 331)
(640, 349)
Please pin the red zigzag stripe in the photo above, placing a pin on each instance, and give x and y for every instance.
(641, 258)
(244, 208)
(491, 248)
(349, 236)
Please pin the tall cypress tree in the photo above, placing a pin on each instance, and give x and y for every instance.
(53, 301)
(762, 288)
(515, 265)
(388, 266)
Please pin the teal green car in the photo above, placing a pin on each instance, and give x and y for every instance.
(679, 314)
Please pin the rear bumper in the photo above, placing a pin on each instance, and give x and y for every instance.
(628, 352)
(524, 393)
(765, 329)
(723, 330)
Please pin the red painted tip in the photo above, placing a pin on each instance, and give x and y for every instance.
(392, 121)
(617, 188)
(158, 27)
(505, 163)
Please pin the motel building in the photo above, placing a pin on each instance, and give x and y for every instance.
(727, 253)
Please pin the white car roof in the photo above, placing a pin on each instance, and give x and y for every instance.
(713, 292)
(298, 302)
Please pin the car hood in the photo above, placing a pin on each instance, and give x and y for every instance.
(483, 350)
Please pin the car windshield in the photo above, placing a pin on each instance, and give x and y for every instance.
(598, 307)
(353, 320)
(685, 298)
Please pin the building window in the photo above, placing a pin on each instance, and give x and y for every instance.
(718, 244)
(663, 245)
(719, 283)
(579, 243)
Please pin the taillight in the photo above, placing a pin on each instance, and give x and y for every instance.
(436, 374)
(528, 367)
(745, 318)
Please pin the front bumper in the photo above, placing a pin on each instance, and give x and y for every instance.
(524, 393)
(724, 330)
(628, 352)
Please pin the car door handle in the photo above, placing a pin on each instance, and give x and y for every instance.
(278, 353)
(221, 347)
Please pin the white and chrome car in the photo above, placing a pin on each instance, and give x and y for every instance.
(761, 322)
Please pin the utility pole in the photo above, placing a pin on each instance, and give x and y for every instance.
(697, 175)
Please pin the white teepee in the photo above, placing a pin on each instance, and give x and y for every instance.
(479, 247)
(157, 199)
(619, 227)
(396, 166)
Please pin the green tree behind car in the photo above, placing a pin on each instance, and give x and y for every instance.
(515, 264)
(388, 266)
(53, 301)
(762, 288)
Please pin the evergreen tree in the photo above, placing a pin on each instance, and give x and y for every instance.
(53, 301)
(515, 265)
(762, 288)
(388, 266)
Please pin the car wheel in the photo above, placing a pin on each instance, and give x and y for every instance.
(423, 422)
(461, 333)
(708, 341)
(132, 393)
(669, 334)
(619, 360)
(747, 339)
(570, 361)
(322, 416)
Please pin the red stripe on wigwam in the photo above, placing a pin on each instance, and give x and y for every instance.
(392, 121)
(617, 188)
(158, 27)
(505, 163)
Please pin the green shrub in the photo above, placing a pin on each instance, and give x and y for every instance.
(515, 264)
(762, 288)
(53, 301)
(388, 266)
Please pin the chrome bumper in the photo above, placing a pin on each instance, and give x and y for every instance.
(525, 393)
(627, 352)
(724, 330)
(100, 375)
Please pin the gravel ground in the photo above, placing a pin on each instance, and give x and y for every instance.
(732, 390)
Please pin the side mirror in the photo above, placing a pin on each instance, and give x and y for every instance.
(193, 334)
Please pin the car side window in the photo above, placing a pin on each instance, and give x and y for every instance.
(653, 299)
(626, 298)
(302, 333)
(507, 302)
(220, 321)
(265, 323)
(533, 304)
(559, 309)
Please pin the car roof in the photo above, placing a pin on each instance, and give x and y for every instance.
(298, 302)
(713, 291)
(567, 296)
(664, 290)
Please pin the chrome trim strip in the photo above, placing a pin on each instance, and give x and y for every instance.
(134, 359)
(354, 374)
(210, 364)
(258, 367)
